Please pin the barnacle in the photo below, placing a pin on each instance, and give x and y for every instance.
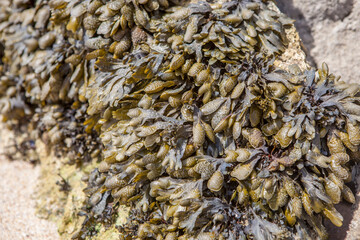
(192, 124)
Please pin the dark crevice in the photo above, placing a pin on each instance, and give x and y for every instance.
(2, 49)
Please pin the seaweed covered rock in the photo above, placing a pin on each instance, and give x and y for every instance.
(192, 124)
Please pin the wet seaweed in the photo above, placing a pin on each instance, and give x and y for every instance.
(192, 124)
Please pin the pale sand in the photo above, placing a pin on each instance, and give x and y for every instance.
(17, 212)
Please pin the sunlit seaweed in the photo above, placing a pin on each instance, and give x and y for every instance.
(194, 127)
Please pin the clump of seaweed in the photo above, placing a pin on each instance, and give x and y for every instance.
(199, 132)
(42, 75)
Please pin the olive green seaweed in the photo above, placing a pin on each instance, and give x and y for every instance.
(170, 119)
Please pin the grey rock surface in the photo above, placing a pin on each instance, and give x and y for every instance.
(330, 31)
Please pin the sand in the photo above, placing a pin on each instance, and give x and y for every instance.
(18, 220)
